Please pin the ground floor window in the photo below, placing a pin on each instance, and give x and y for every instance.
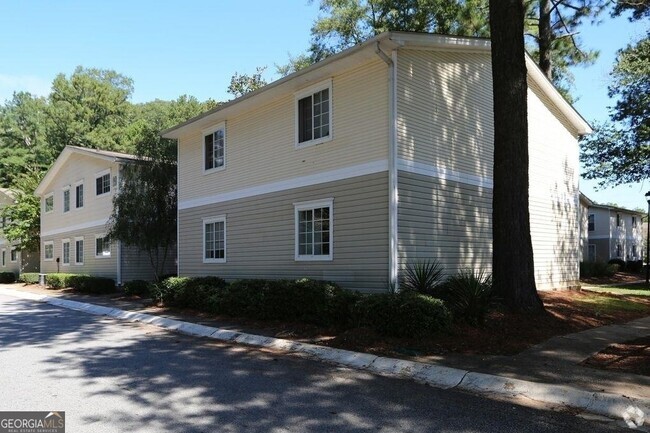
(48, 250)
(13, 255)
(214, 240)
(102, 246)
(4, 258)
(65, 248)
(314, 230)
(79, 251)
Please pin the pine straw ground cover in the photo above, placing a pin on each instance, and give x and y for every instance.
(629, 357)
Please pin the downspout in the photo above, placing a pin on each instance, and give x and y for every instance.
(119, 243)
(393, 198)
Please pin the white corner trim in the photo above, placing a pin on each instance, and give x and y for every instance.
(443, 173)
(297, 182)
(76, 227)
(393, 187)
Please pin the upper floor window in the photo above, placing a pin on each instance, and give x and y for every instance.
(66, 199)
(79, 195)
(103, 183)
(314, 114)
(314, 230)
(633, 221)
(618, 220)
(214, 148)
(590, 220)
(49, 203)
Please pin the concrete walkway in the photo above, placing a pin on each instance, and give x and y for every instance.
(548, 372)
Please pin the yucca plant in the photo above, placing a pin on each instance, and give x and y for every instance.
(468, 294)
(423, 276)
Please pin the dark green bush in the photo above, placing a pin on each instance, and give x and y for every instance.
(136, 288)
(80, 282)
(7, 277)
(598, 269)
(468, 295)
(635, 266)
(423, 276)
(29, 277)
(406, 314)
(60, 280)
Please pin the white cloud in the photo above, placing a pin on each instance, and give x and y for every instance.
(29, 83)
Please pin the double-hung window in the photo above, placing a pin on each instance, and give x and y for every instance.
(79, 194)
(214, 148)
(314, 230)
(48, 250)
(13, 255)
(103, 183)
(102, 246)
(214, 240)
(79, 251)
(314, 114)
(590, 223)
(49, 203)
(66, 199)
(65, 251)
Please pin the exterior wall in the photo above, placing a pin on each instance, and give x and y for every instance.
(100, 267)
(449, 221)
(261, 144)
(584, 232)
(260, 235)
(445, 132)
(602, 249)
(136, 264)
(607, 235)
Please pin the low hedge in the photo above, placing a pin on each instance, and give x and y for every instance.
(307, 301)
(29, 277)
(7, 277)
(80, 282)
(598, 269)
(137, 288)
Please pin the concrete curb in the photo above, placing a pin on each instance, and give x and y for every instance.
(610, 405)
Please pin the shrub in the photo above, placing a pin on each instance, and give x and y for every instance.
(406, 314)
(60, 280)
(81, 283)
(29, 277)
(423, 276)
(619, 262)
(136, 288)
(7, 277)
(468, 294)
(634, 266)
(184, 292)
(597, 269)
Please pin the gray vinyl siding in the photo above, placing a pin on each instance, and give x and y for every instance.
(602, 249)
(260, 235)
(445, 221)
(100, 267)
(136, 264)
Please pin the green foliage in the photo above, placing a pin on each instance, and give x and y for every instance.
(23, 218)
(60, 280)
(243, 84)
(80, 282)
(640, 9)
(423, 276)
(406, 314)
(7, 277)
(294, 64)
(29, 277)
(619, 152)
(468, 295)
(137, 288)
(597, 269)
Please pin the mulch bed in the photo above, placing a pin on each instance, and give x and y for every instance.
(630, 357)
(618, 278)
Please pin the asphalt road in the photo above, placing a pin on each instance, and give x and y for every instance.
(110, 376)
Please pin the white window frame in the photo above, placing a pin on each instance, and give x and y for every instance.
(326, 84)
(12, 258)
(45, 245)
(83, 252)
(110, 182)
(307, 205)
(210, 131)
(63, 242)
(210, 220)
(66, 189)
(83, 198)
(102, 256)
(45, 197)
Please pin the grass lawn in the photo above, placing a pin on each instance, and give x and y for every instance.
(636, 289)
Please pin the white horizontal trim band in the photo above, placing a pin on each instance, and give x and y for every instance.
(298, 182)
(443, 173)
(75, 228)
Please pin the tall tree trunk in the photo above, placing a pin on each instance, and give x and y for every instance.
(512, 262)
(545, 35)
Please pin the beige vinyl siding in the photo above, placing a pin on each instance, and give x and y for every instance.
(445, 221)
(260, 235)
(136, 264)
(100, 267)
(79, 167)
(444, 110)
(9, 265)
(554, 197)
(260, 144)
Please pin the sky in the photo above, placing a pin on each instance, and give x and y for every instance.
(170, 48)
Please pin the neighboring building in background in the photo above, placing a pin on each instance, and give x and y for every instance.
(371, 159)
(614, 233)
(585, 202)
(11, 258)
(76, 203)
